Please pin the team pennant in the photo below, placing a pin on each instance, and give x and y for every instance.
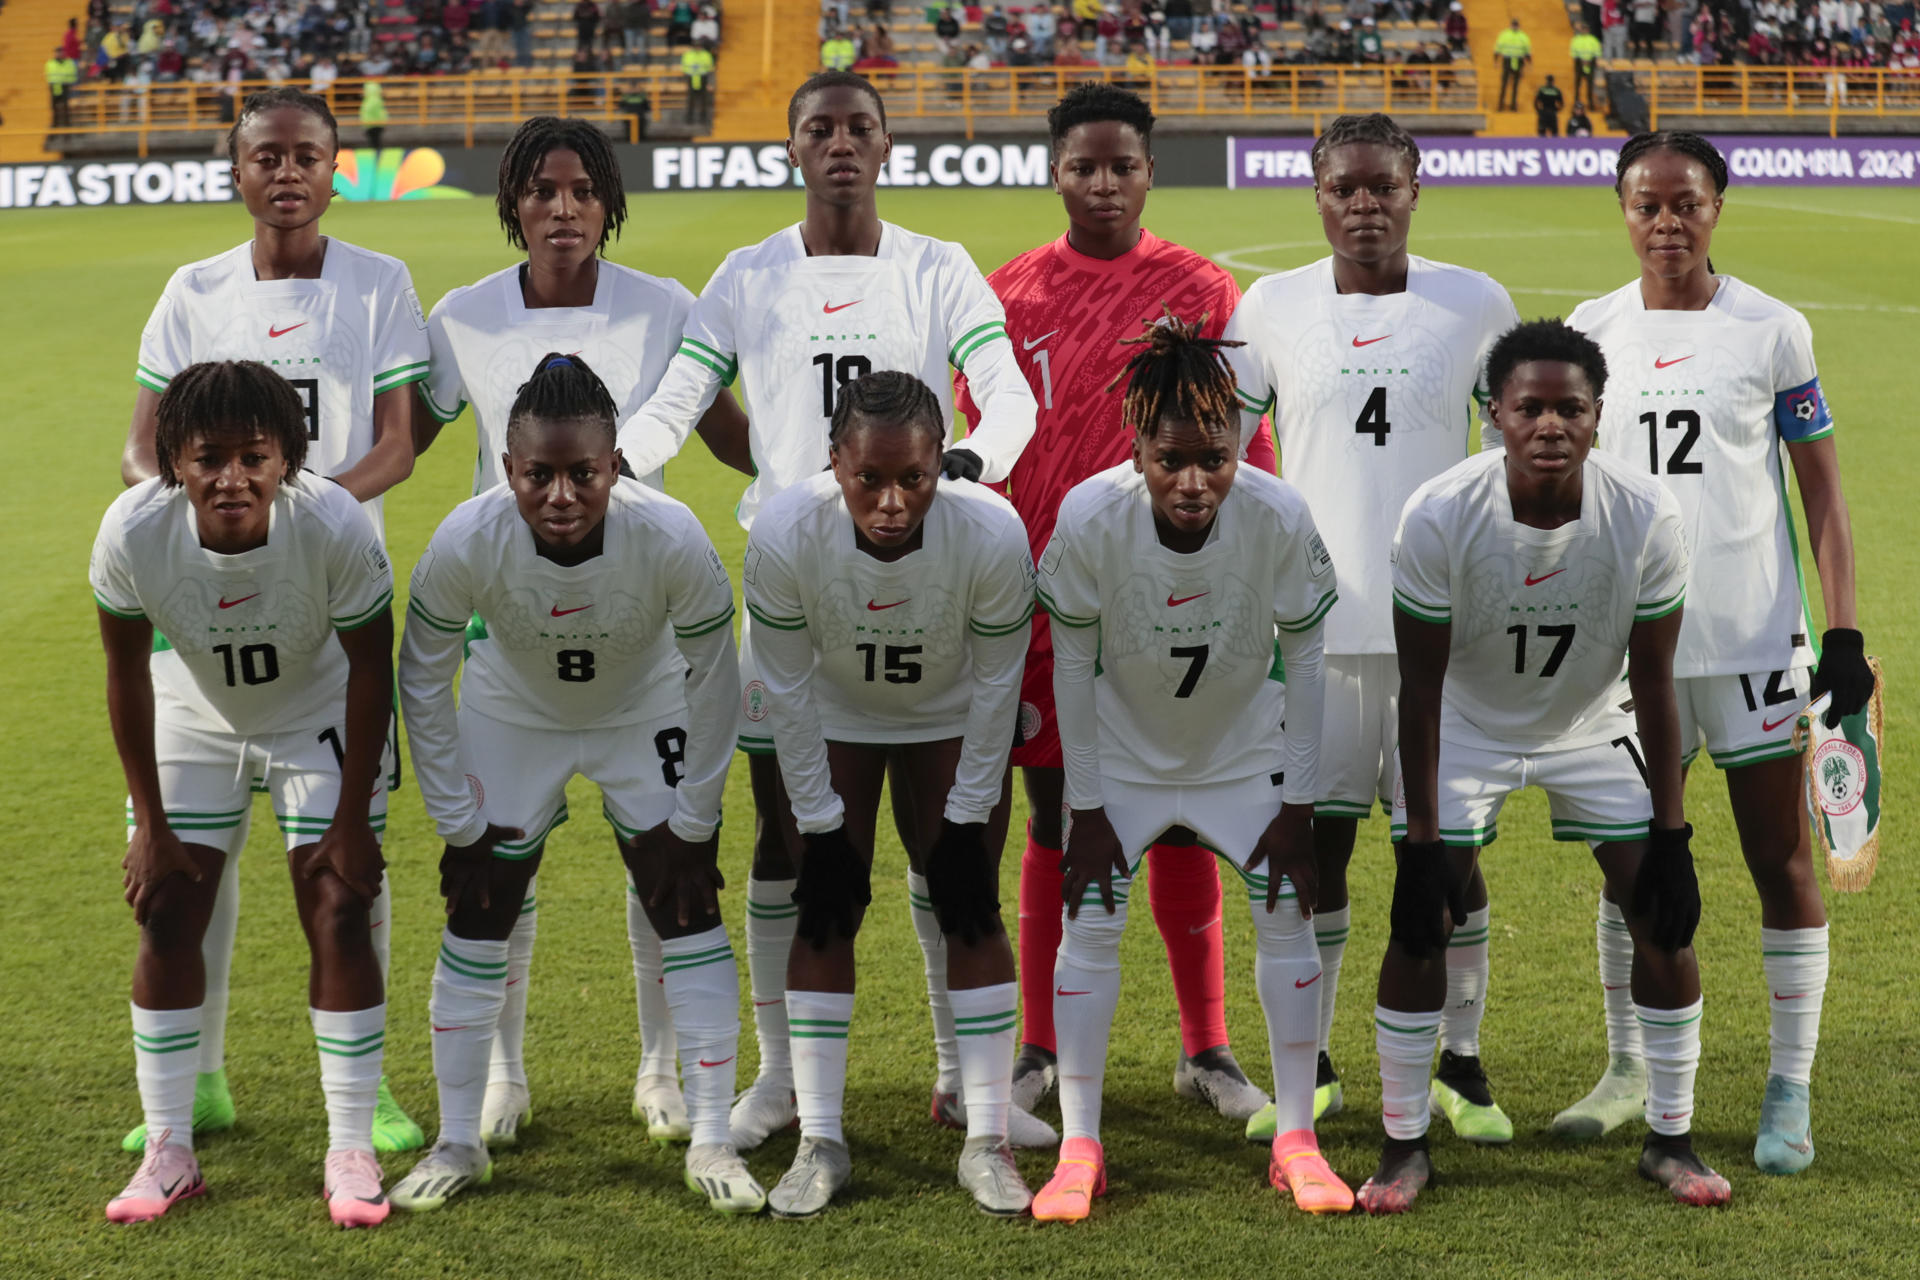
(1843, 785)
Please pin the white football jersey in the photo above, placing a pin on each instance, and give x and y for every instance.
(1189, 685)
(1707, 401)
(253, 634)
(584, 646)
(1540, 617)
(1371, 397)
(486, 342)
(340, 340)
(795, 328)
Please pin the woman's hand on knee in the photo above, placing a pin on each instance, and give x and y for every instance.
(961, 882)
(153, 854)
(351, 851)
(1286, 848)
(1093, 856)
(466, 871)
(684, 874)
(835, 886)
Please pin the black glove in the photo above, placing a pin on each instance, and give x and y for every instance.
(1424, 888)
(964, 890)
(1844, 673)
(834, 886)
(961, 464)
(1666, 891)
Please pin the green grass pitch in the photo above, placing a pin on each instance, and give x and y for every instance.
(587, 1196)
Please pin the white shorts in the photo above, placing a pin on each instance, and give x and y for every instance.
(1227, 817)
(1741, 719)
(519, 775)
(754, 735)
(207, 781)
(1596, 793)
(1359, 734)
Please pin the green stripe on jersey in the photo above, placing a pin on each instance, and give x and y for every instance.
(1251, 405)
(1021, 623)
(1658, 608)
(135, 616)
(419, 611)
(696, 629)
(954, 353)
(1437, 613)
(399, 376)
(151, 379)
(996, 331)
(1060, 616)
(354, 622)
(728, 367)
(1308, 622)
(778, 624)
(433, 406)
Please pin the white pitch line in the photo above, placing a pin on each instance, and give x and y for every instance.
(1233, 257)
(1782, 207)
(1881, 308)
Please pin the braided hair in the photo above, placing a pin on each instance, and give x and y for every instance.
(1375, 127)
(1096, 101)
(1678, 141)
(1544, 340)
(227, 400)
(272, 99)
(833, 80)
(889, 398)
(562, 388)
(1178, 376)
(529, 146)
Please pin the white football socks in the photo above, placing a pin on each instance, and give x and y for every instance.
(984, 1020)
(1672, 1040)
(818, 1022)
(1615, 945)
(657, 1044)
(772, 918)
(216, 953)
(1795, 961)
(1287, 974)
(1466, 986)
(1405, 1042)
(167, 1045)
(1330, 936)
(352, 1046)
(933, 949)
(380, 929)
(702, 989)
(508, 1061)
(469, 991)
(1086, 991)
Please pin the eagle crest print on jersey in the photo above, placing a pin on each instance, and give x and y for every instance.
(1223, 613)
(1566, 589)
(931, 617)
(193, 621)
(621, 622)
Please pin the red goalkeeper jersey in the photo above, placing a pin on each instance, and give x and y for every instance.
(1067, 314)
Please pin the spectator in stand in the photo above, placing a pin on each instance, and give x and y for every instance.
(1512, 51)
(1109, 37)
(323, 75)
(1702, 37)
(586, 24)
(696, 64)
(1206, 41)
(613, 31)
(880, 9)
(1578, 123)
(71, 43)
(1233, 42)
(116, 54)
(1367, 46)
(978, 59)
(1066, 53)
(1159, 37)
(1139, 69)
(1069, 29)
(1341, 51)
(994, 28)
(456, 19)
(1456, 27)
(1256, 58)
(1643, 27)
(1020, 52)
(498, 31)
(1674, 19)
(169, 64)
(1613, 30)
(946, 33)
(706, 29)
(1180, 20)
(1547, 101)
(1041, 29)
(1133, 27)
(62, 74)
(522, 27)
(373, 113)
(837, 52)
(1585, 51)
(679, 24)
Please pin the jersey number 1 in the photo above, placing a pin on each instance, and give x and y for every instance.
(1373, 418)
(835, 374)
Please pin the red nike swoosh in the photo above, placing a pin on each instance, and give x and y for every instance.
(228, 604)
(275, 333)
(1768, 726)
(1175, 604)
(761, 1004)
(1668, 1115)
(558, 612)
(511, 981)
(450, 1028)
(879, 607)
(1057, 991)
(829, 308)
(1392, 1115)
(723, 1062)
(1298, 985)
(1799, 996)
(1668, 364)
(1534, 582)
(1605, 987)
(1370, 341)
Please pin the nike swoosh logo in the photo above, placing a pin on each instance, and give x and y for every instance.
(1203, 928)
(1768, 726)
(276, 333)
(1800, 996)
(1370, 341)
(1057, 991)
(558, 612)
(1028, 346)
(1393, 1115)
(450, 1028)
(1605, 987)
(723, 1062)
(1668, 1115)
(1534, 582)
(828, 308)
(1668, 364)
(761, 1004)
(878, 608)
(169, 1190)
(228, 604)
(1175, 604)
(1299, 985)
(511, 981)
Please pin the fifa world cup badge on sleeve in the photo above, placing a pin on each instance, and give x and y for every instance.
(1844, 786)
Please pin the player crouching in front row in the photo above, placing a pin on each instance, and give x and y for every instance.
(1174, 584)
(1522, 578)
(251, 567)
(575, 577)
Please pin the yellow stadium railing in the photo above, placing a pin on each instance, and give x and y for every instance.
(1833, 94)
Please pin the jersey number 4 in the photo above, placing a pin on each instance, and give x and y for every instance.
(835, 374)
(1373, 418)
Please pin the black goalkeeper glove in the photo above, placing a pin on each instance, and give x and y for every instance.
(1844, 673)
(961, 464)
(1424, 894)
(834, 887)
(965, 895)
(1666, 891)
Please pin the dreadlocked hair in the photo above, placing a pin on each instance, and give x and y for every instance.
(271, 99)
(1094, 102)
(227, 400)
(888, 399)
(1678, 141)
(529, 146)
(1178, 376)
(1375, 127)
(833, 80)
(562, 388)
(1545, 340)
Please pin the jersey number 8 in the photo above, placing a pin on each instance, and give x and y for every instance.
(576, 665)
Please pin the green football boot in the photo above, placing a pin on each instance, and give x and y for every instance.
(212, 1110)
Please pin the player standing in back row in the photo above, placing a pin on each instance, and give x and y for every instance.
(343, 326)
(1370, 361)
(1070, 303)
(1715, 390)
(833, 298)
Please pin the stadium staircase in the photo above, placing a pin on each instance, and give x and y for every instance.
(29, 29)
(1545, 21)
(767, 47)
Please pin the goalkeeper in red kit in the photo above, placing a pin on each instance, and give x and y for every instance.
(1069, 303)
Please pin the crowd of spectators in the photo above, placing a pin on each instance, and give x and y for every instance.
(1771, 33)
